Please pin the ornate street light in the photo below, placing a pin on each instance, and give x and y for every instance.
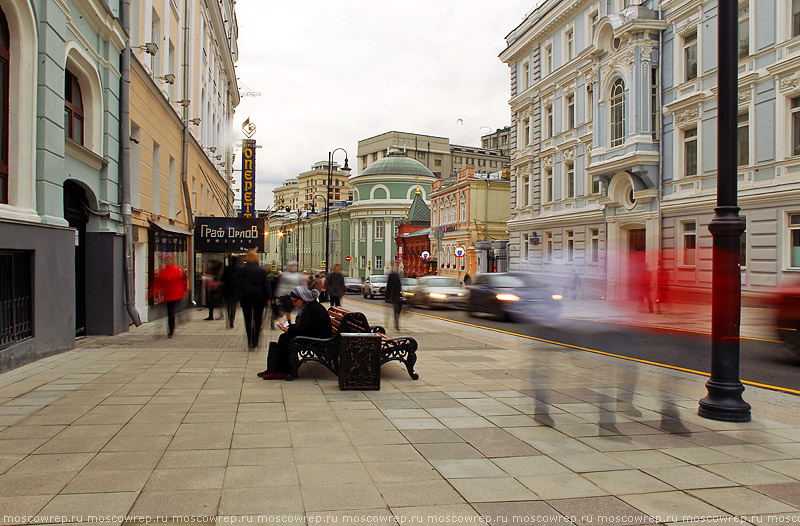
(346, 170)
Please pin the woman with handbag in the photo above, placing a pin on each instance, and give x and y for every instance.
(255, 294)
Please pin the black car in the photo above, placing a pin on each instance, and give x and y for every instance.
(513, 296)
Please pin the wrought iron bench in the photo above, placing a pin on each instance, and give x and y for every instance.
(326, 350)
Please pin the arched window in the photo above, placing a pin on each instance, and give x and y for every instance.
(73, 108)
(5, 59)
(617, 113)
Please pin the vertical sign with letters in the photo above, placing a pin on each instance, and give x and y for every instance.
(248, 178)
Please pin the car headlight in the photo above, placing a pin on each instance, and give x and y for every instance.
(438, 295)
(557, 297)
(507, 297)
(460, 294)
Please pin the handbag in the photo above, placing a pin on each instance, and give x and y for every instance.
(273, 357)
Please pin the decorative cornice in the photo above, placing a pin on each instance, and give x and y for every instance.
(687, 116)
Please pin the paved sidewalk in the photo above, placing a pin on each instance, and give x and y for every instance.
(498, 430)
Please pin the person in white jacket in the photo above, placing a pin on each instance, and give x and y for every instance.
(286, 282)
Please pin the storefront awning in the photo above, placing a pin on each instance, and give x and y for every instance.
(166, 227)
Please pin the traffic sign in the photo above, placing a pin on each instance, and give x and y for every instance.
(425, 255)
(460, 252)
(348, 258)
(323, 265)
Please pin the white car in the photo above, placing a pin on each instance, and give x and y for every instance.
(374, 286)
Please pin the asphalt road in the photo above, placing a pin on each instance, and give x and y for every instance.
(762, 362)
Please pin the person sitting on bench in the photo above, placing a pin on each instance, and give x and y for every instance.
(311, 320)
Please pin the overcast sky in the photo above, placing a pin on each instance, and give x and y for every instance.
(333, 72)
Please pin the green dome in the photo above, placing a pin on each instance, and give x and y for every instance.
(396, 164)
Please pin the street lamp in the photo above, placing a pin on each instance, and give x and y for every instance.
(724, 400)
(346, 170)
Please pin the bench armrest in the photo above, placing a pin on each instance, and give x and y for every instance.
(377, 328)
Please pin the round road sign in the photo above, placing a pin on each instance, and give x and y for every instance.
(425, 255)
(460, 252)
(348, 258)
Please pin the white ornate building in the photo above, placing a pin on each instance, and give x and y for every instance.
(614, 142)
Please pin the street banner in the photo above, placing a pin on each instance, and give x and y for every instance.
(229, 234)
(248, 178)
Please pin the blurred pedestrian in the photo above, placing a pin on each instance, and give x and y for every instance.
(312, 320)
(170, 285)
(334, 286)
(393, 294)
(575, 286)
(230, 288)
(211, 286)
(288, 281)
(641, 284)
(254, 296)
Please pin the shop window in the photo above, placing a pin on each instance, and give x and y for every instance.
(163, 244)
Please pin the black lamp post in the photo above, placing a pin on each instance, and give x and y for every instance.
(724, 400)
(346, 170)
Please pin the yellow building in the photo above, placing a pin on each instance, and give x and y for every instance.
(182, 95)
(287, 195)
(312, 184)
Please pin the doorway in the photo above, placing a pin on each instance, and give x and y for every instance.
(637, 266)
(75, 212)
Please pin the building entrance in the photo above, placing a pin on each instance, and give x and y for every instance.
(75, 212)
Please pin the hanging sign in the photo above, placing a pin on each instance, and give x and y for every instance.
(229, 234)
(248, 178)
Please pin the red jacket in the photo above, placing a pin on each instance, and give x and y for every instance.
(171, 283)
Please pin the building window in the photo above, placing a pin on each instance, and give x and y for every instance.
(795, 111)
(690, 152)
(744, 29)
(526, 190)
(569, 43)
(617, 113)
(526, 132)
(5, 60)
(363, 261)
(73, 108)
(548, 121)
(689, 248)
(795, 18)
(570, 245)
(16, 296)
(743, 142)
(463, 209)
(743, 244)
(794, 230)
(378, 262)
(589, 104)
(597, 186)
(437, 162)
(594, 235)
(363, 235)
(548, 246)
(526, 78)
(654, 109)
(593, 19)
(690, 56)
(504, 140)
(525, 247)
(420, 155)
(570, 179)
(548, 185)
(548, 58)
(379, 229)
(570, 111)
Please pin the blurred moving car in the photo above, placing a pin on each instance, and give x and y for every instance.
(438, 291)
(407, 286)
(353, 285)
(513, 296)
(787, 315)
(374, 285)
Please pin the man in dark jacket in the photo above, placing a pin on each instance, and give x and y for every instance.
(312, 320)
(255, 294)
(334, 286)
(393, 294)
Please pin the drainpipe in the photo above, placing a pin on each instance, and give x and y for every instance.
(660, 126)
(125, 162)
(185, 157)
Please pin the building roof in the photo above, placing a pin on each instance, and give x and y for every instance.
(419, 211)
(397, 164)
(421, 232)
